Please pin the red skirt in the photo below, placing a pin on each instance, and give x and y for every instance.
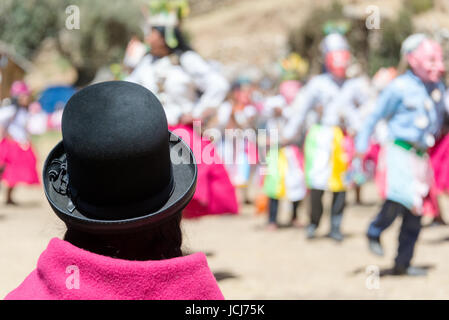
(19, 161)
(214, 193)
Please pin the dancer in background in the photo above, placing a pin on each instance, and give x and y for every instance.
(190, 89)
(285, 165)
(235, 119)
(356, 97)
(411, 105)
(326, 161)
(363, 169)
(17, 158)
(175, 72)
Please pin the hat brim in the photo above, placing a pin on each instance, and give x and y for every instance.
(184, 176)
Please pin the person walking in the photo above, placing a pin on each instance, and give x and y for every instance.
(17, 156)
(191, 91)
(410, 104)
(320, 107)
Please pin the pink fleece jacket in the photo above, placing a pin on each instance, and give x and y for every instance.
(68, 272)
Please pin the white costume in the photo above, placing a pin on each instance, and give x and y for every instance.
(16, 119)
(243, 118)
(274, 122)
(232, 147)
(177, 85)
(324, 106)
(285, 175)
(329, 101)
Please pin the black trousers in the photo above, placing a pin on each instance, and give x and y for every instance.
(410, 228)
(316, 208)
(273, 210)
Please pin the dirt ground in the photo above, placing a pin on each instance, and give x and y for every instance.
(251, 262)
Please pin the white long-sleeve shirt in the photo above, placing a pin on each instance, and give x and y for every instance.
(16, 122)
(337, 100)
(177, 85)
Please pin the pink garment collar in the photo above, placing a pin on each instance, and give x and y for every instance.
(100, 277)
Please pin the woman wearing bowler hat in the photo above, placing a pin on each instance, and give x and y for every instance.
(119, 180)
(191, 91)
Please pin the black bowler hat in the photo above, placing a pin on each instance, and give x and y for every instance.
(117, 168)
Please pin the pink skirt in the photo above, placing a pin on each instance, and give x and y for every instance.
(439, 157)
(20, 163)
(214, 193)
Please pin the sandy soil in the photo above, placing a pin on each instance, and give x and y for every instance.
(251, 262)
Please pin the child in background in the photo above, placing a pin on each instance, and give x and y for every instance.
(17, 158)
(284, 176)
(237, 145)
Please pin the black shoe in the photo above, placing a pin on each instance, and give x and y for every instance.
(336, 235)
(437, 223)
(11, 203)
(375, 246)
(311, 230)
(410, 271)
(294, 224)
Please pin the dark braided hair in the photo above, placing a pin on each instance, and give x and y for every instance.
(182, 46)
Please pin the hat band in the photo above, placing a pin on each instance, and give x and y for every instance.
(126, 211)
(59, 180)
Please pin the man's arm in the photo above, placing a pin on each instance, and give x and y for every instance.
(304, 101)
(213, 85)
(387, 104)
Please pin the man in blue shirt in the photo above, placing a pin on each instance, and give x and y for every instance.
(413, 106)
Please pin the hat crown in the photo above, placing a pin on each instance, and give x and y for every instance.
(117, 142)
(333, 42)
(412, 42)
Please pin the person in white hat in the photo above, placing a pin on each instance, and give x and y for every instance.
(190, 89)
(325, 100)
(176, 73)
